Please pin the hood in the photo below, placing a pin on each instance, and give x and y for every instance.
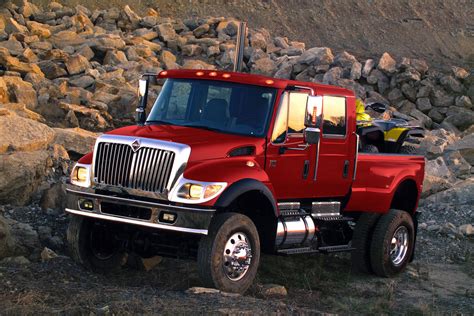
(204, 144)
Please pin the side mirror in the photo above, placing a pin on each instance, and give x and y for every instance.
(377, 107)
(311, 135)
(314, 108)
(142, 100)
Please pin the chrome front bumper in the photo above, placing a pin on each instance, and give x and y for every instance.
(188, 220)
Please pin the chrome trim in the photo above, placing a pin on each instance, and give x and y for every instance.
(173, 195)
(289, 205)
(136, 202)
(323, 209)
(125, 220)
(88, 182)
(181, 151)
(356, 156)
(317, 162)
(305, 88)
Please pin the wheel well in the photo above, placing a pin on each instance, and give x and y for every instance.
(405, 197)
(259, 209)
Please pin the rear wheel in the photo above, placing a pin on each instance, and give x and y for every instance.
(369, 148)
(229, 255)
(93, 245)
(392, 243)
(408, 150)
(361, 241)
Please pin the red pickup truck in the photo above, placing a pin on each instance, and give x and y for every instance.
(228, 165)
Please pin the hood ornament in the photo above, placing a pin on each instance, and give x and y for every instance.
(136, 145)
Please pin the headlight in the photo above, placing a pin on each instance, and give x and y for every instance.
(188, 191)
(81, 175)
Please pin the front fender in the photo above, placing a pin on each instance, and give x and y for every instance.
(242, 174)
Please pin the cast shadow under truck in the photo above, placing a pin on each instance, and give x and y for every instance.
(228, 165)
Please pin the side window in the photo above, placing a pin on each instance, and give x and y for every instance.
(290, 120)
(279, 130)
(178, 101)
(334, 114)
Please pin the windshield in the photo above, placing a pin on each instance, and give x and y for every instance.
(222, 106)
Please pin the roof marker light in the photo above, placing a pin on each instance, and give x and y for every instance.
(226, 76)
(268, 81)
(213, 74)
(199, 73)
(163, 73)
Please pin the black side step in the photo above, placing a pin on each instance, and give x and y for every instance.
(327, 249)
(295, 251)
(332, 218)
(339, 248)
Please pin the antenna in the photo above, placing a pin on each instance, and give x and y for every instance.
(239, 46)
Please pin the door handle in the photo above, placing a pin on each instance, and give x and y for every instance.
(345, 170)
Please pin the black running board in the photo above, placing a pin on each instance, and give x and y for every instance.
(327, 249)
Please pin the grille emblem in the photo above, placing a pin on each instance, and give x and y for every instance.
(136, 145)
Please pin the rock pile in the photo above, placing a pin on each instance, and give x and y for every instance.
(67, 73)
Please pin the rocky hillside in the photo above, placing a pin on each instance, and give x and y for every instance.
(68, 73)
(441, 32)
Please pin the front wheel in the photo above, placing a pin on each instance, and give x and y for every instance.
(392, 243)
(93, 245)
(229, 255)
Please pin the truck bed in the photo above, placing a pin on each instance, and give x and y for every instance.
(378, 177)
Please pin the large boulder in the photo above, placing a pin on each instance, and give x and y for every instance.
(316, 56)
(75, 140)
(20, 175)
(17, 239)
(461, 193)
(466, 148)
(20, 91)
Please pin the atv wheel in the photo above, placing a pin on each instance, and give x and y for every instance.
(408, 150)
(361, 240)
(229, 255)
(392, 243)
(92, 245)
(369, 148)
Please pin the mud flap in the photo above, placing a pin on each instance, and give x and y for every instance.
(415, 224)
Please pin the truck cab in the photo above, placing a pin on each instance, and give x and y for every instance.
(228, 165)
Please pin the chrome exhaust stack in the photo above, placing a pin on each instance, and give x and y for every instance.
(239, 46)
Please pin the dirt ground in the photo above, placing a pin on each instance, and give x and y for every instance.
(442, 32)
(316, 284)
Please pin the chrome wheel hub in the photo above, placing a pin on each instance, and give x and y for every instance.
(399, 245)
(237, 256)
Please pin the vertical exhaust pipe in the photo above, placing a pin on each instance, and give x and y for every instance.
(239, 46)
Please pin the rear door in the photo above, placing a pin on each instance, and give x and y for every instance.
(335, 164)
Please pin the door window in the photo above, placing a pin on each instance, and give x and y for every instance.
(334, 116)
(290, 120)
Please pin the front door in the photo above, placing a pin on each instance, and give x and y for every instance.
(288, 162)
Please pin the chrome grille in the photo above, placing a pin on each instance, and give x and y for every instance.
(147, 169)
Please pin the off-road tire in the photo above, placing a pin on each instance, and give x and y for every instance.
(211, 248)
(408, 150)
(380, 259)
(79, 242)
(361, 240)
(369, 148)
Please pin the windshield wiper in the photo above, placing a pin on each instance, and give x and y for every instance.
(203, 127)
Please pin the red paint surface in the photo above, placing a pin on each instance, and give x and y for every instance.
(378, 176)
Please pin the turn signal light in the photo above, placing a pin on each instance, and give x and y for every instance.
(212, 190)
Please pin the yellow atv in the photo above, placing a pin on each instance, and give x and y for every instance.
(387, 135)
